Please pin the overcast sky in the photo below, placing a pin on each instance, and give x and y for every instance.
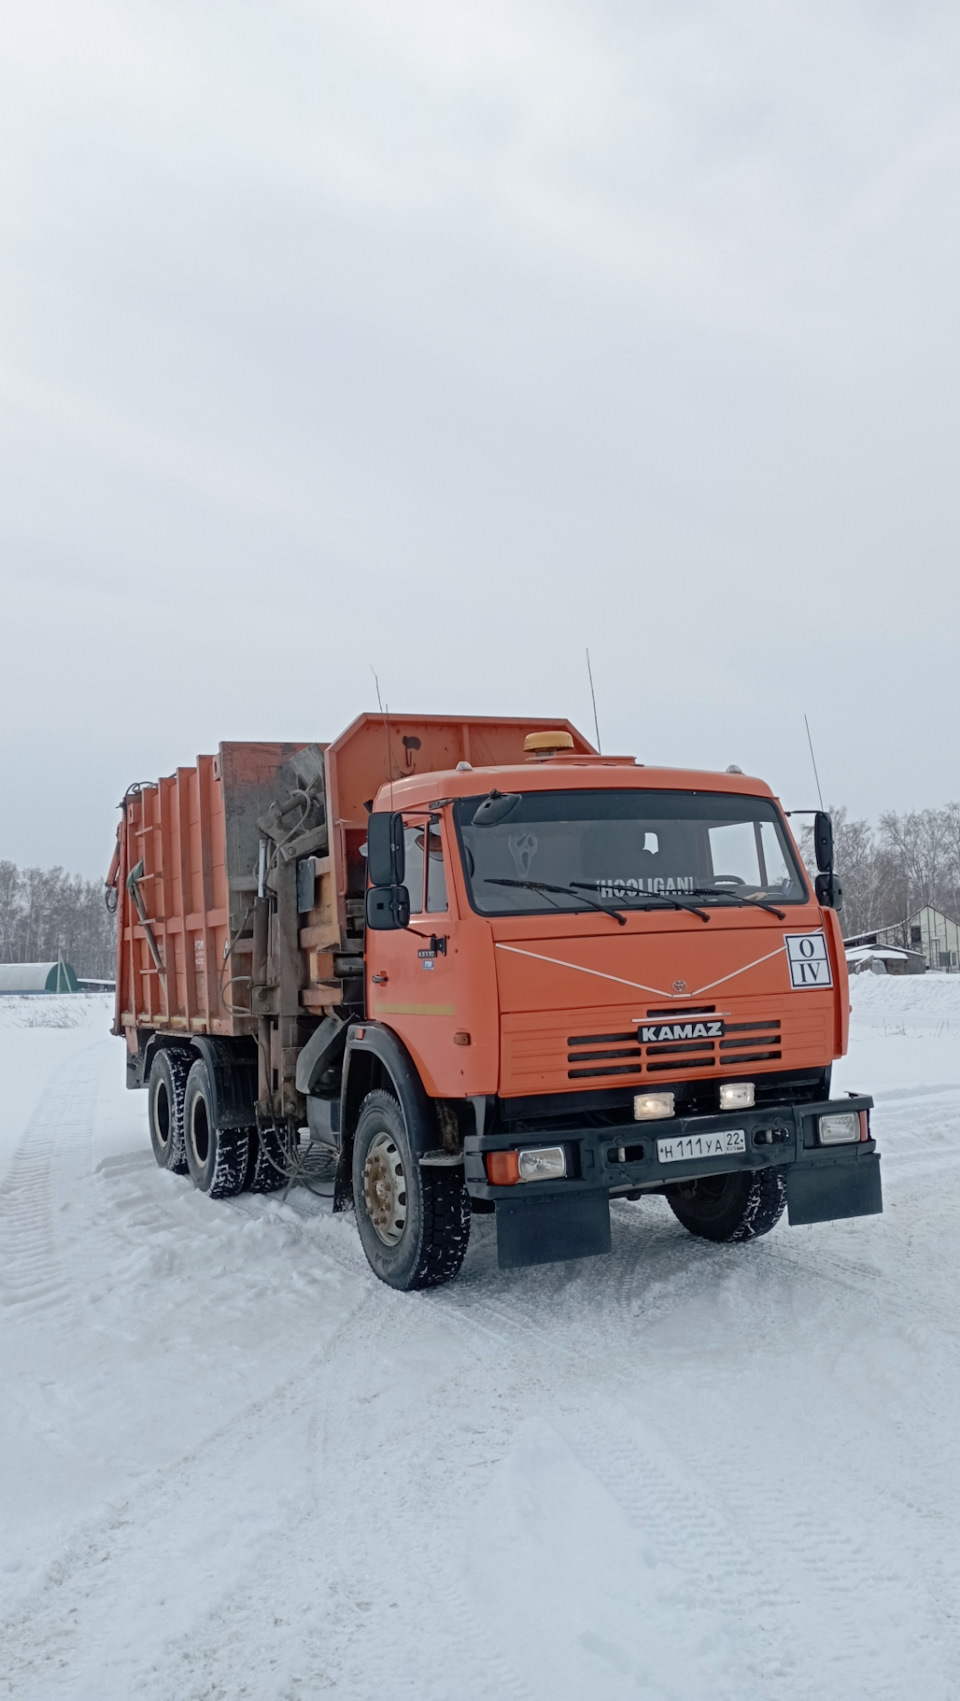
(450, 338)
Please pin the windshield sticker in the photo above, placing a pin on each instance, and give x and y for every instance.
(807, 956)
(624, 886)
(523, 848)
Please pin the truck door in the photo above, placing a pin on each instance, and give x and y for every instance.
(411, 973)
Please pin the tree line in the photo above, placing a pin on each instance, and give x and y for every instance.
(44, 911)
(888, 872)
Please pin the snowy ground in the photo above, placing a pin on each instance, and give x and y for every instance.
(234, 1465)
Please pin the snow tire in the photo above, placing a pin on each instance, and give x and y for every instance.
(422, 1242)
(217, 1158)
(168, 1082)
(739, 1206)
(268, 1161)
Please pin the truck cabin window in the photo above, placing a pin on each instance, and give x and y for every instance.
(413, 867)
(625, 847)
(420, 839)
(436, 874)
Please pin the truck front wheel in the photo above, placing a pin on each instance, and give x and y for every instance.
(217, 1158)
(414, 1223)
(738, 1206)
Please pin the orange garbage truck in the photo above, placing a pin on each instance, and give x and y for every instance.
(479, 968)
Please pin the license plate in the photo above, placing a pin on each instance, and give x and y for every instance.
(687, 1146)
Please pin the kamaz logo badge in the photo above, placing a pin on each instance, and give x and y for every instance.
(657, 1032)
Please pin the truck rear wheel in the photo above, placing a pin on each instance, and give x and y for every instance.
(217, 1158)
(414, 1223)
(737, 1206)
(168, 1080)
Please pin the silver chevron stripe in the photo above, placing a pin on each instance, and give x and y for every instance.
(639, 985)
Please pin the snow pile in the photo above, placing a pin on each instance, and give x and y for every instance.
(237, 1468)
(914, 1004)
(905, 1037)
(91, 1010)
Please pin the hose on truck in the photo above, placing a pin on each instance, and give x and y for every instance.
(297, 1168)
(300, 1167)
(234, 980)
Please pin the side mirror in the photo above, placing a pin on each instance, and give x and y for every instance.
(388, 908)
(385, 851)
(823, 841)
(829, 891)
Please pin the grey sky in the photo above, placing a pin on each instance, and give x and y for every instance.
(449, 338)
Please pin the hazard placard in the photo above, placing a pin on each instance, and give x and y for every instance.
(808, 959)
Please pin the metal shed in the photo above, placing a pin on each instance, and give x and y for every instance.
(37, 977)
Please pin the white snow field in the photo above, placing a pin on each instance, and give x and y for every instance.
(235, 1465)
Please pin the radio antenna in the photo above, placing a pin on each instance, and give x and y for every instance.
(813, 760)
(386, 734)
(593, 699)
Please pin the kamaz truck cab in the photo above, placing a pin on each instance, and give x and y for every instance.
(587, 979)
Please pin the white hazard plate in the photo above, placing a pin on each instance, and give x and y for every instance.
(688, 1146)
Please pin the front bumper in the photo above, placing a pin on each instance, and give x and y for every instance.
(823, 1182)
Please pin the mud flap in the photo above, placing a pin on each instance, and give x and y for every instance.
(818, 1192)
(544, 1231)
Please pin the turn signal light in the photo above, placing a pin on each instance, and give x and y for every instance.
(503, 1168)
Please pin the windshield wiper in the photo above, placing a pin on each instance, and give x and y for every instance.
(735, 898)
(655, 897)
(567, 891)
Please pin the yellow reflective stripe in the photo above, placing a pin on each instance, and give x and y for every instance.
(416, 1009)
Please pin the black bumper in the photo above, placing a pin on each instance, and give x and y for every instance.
(540, 1221)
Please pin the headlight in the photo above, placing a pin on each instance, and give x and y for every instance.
(543, 1163)
(839, 1130)
(537, 1163)
(650, 1107)
(737, 1095)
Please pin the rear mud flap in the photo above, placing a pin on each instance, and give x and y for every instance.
(544, 1231)
(820, 1191)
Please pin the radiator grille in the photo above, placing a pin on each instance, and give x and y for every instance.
(597, 1050)
(603, 1054)
(594, 1056)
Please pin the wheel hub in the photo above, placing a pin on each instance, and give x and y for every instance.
(384, 1189)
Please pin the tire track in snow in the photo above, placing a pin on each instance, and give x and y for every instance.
(57, 1636)
(804, 1554)
(32, 1274)
(817, 1541)
(115, 1554)
(707, 1510)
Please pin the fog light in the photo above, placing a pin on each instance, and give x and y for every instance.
(650, 1107)
(737, 1095)
(543, 1163)
(839, 1130)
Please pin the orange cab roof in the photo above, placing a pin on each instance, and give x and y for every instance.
(563, 773)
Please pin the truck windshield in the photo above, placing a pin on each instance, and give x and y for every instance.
(625, 847)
